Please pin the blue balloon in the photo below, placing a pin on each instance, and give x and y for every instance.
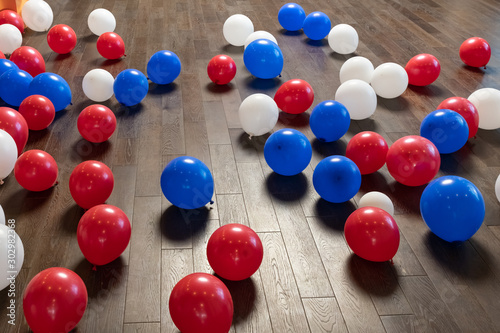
(164, 67)
(337, 179)
(130, 87)
(446, 129)
(52, 86)
(329, 121)
(263, 58)
(287, 152)
(6, 65)
(317, 25)
(14, 86)
(291, 16)
(453, 208)
(187, 183)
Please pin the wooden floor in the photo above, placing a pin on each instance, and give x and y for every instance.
(309, 280)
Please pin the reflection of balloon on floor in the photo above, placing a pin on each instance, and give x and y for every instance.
(329, 121)
(91, 183)
(423, 69)
(36, 170)
(466, 109)
(317, 25)
(377, 199)
(288, 152)
(446, 129)
(368, 150)
(38, 111)
(475, 52)
(294, 96)
(291, 16)
(258, 114)
(221, 69)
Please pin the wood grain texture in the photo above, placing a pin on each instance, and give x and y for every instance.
(142, 328)
(323, 315)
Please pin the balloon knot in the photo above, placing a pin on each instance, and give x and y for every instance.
(71, 103)
(56, 183)
(485, 67)
(250, 137)
(392, 262)
(211, 202)
(94, 268)
(124, 55)
(1, 181)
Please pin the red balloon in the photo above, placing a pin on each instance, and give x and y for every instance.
(36, 170)
(110, 45)
(11, 17)
(372, 234)
(221, 69)
(422, 69)
(38, 111)
(368, 150)
(28, 59)
(234, 252)
(466, 109)
(96, 123)
(14, 123)
(61, 39)
(475, 52)
(103, 234)
(200, 302)
(2, 56)
(91, 183)
(413, 160)
(54, 300)
(294, 96)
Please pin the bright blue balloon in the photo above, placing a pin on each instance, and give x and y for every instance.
(14, 85)
(52, 86)
(130, 87)
(337, 179)
(263, 58)
(446, 129)
(329, 121)
(287, 152)
(6, 65)
(187, 183)
(164, 67)
(453, 208)
(291, 16)
(317, 25)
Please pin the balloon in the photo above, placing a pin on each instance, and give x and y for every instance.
(187, 183)
(258, 114)
(294, 96)
(236, 29)
(130, 87)
(96, 123)
(453, 208)
(336, 179)
(103, 234)
(164, 67)
(423, 69)
(36, 170)
(221, 69)
(101, 20)
(487, 103)
(446, 129)
(317, 25)
(466, 109)
(52, 86)
(6, 65)
(475, 52)
(235, 252)
(97, 85)
(372, 234)
(356, 68)
(110, 45)
(368, 150)
(200, 302)
(38, 111)
(291, 16)
(288, 152)
(8, 151)
(497, 188)
(28, 59)
(10, 38)
(263, 59)
(260, 34)
(377, 199)
(37, 15)
(389, 80)
(413, 160)
(14, 123)
(61, 39)
(11, 17)
(358, 97)
(343, 39)
(14, 86)
(329, 121)
(2, 56)
(91, 183)
(11, 256)
(2, 216)
(55, 299)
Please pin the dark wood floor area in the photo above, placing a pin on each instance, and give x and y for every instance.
(309, 280)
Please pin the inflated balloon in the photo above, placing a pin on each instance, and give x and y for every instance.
(221, 69)
(487, 103)
(52, 86)
(130, 87)
(497, 188)
(294, 96)
(97, 85)
(260, 34)
(8, 151)
(96, 123)
(237, 28)
(110, 45)
(423, 69)
(37, 15)
(103, 234)
(6, 65)
(91, 183)
(413, 160)
(2, 56)
(343, 39)
(14, 123)
(235, 252)
(101, 20)
(336, 179)
(10, 38)
(200, 302)
(288, 152)
(475, 52)
(466, 109)
(38, 111)
(61, 38)
(291, 16)
(36, 170)
(317, 25)
(372, 234)
(446, 129)
(453, 208)
(10, 266)
(14, 85)
(263, 59)
(55, 299)
(11, 17)
(329, 121)
(389, 80)
(164, 67)
(356, 68)
(368, 150)
(358, 97)
(377, 199)
(28, 59)
(258, 114)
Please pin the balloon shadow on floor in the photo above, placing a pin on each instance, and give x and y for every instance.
(399, 103)
(287, 188)
(219, 88)
(316, 43)
(326, 149)
(162, 89)
(231, 49)
(37, 136)
(376, 278)
(479, 70)
(291, 33)
(300, 120)
(255, 83)
(61, 57)
(333, 215)
(123, 111)
(429, 91)
(89, 38)
(70, 219)
(374, 182)
(243, 294)
(83, 150)
(406, 199)
(253, 143)
(180, 225)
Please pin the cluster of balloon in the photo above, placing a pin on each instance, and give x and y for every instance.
(28, 59)
(61, 38)
(221, 69)
(38, 111)
(263, 59)
(291, 16)
(486, 101)
(52, 86)
(9, 241)
(294, 96)
(96, 123)
(91, 183)
(423, 69)
(356, 68)
(288, 152)
(164, 67)
(343, 39)
(14, 86)
(37, 15)
(97, 85)
(368, 150)
(10, 38)
(389, 80)
(258, 114)
(329, 121)
(377, 199)
(475, 52)
(358, 97)
(14, 123)
(6, 65)
(317, 25)
(466, 109)
(130, 87)
(260, 34)
(8, 151)
(446, 129)
(11, 17)
(110, 45)
(36, 170)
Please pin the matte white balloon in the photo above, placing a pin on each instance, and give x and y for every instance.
(260, 34)
(487, 103)
(377, 199)
(101, 20)
(237, 28)
(98, 85)
(8, 153)
(258, 114)
(343, 39)
(37, 15)
(356, 68)
(358, 97)
(11, 259)
(10, 39)
(2, 216)
(389, 80)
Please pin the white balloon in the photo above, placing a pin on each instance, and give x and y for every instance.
(237, 28)
(11, 255)
(377, 199)
(98, 85)
(487, 103)
(101, 20)
(343, 39)
(37, 15)
(356, 68)
(2, 216)
(8, 154)
(389, 80)
(10, 39)
(497, 188)
(260, 34)
(258, 114)
(358, 97)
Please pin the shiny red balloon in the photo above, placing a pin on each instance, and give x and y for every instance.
(28, 59)
(14, 123)
(200, 302)
(2, 56)
(11, 17)
(413, 160)
(91, 183)
(221, 69)
(103, 234)
(368, 150)
(96, 123)
(110, 45)
(38, 111)
(61, 38)
(372, 234)
(422, 69)
(54, 300)
(234, 252)
(466, 109)
(294, 96)
(36, 170)
(475, 52)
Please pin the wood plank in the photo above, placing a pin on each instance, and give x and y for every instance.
(232, 209)
(323, 315)
(142, 328)
(224, 169)
(403, 323)
(216, 123)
